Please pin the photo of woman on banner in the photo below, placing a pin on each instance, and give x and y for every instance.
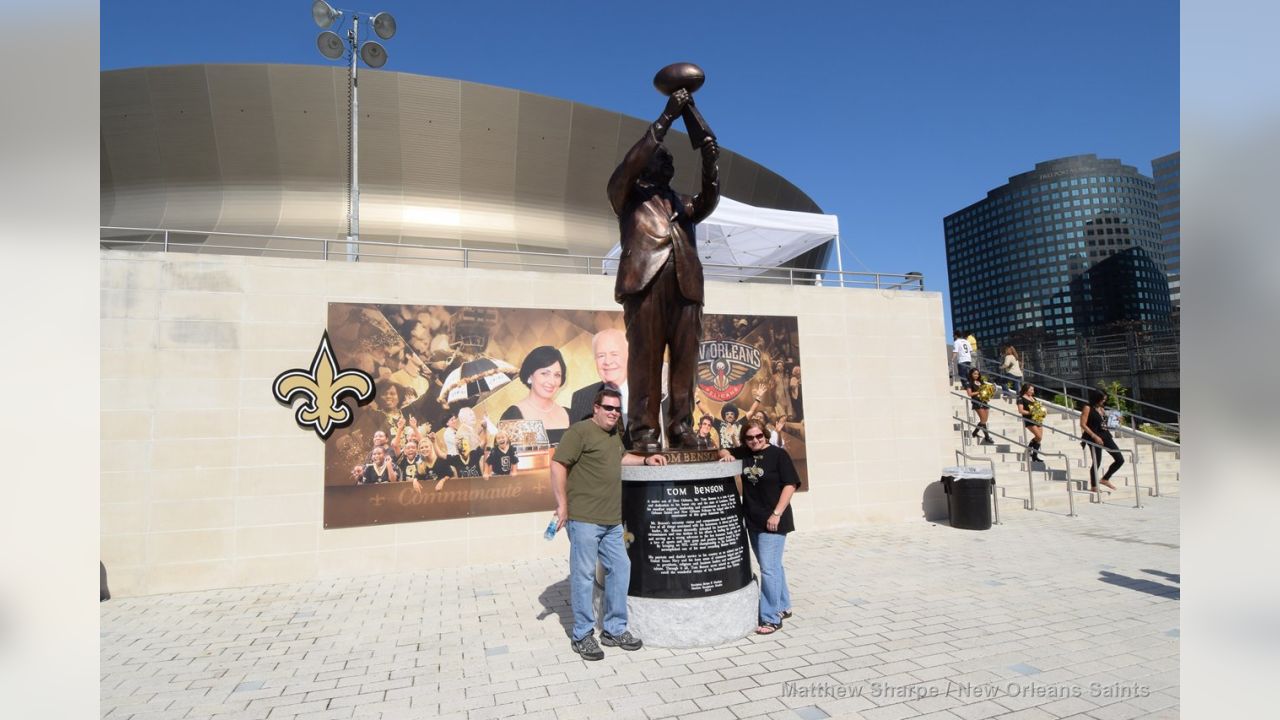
(469, 457)
(380, 470)
(434, 469)
(464, 442)
(502, 459)
(544, 372)
(427, 464)
(412, 464)
(380, 442)
(407, 428)
(387, 399)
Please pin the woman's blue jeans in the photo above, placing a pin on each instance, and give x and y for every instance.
(774, 594)
(588, 543)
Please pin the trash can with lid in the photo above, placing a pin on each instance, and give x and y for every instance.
(968, 490)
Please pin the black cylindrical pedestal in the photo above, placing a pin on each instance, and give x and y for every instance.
(691, 582)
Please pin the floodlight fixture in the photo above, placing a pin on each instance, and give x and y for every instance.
(383, 24)
(373, 54)
(331, 46)
(324, 14)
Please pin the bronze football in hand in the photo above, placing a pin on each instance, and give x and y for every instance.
(679, 76)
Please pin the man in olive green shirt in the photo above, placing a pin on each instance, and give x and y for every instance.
(586, 477)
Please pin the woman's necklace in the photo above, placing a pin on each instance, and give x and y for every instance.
(544, 410)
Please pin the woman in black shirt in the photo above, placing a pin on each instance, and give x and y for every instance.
(423, 464)
(1027, 400)
(1093, 431)
(467, 461)
(502, 459)
(768, 481)
(972, 385)
(381, 470)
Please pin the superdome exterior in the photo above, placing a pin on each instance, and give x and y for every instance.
(262, 149)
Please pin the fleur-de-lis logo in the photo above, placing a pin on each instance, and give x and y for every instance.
(323, 387)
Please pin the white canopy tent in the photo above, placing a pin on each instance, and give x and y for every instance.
(754, 238)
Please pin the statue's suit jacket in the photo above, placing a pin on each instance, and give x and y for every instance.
(657, 222)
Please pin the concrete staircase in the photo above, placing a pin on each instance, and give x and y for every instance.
(1048, 480)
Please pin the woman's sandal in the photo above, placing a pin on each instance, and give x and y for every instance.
(768, 628)
(786, 614)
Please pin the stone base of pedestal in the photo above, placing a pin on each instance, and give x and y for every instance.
(692, 622)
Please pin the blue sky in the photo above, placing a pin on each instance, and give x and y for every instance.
(888, 114)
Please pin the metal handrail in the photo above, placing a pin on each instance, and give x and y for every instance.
(1126, 432)
(1132, 415)
(1153, 421)
(1064, 382)
(467, 257)
(1031, 491)
(1136, 434)
(1132, 453)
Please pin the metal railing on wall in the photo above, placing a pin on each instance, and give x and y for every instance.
(294, 246)
(1116, 353)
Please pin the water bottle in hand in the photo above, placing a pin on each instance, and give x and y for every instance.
(550, 532)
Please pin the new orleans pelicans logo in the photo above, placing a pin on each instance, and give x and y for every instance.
(724, 367)
(322, 388)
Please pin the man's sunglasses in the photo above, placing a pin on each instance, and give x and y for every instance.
(610, 408)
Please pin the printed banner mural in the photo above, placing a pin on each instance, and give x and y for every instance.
(470, 403)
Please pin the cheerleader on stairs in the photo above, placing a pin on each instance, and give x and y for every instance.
(1026, 401)
(972, 385)
(1094, 431)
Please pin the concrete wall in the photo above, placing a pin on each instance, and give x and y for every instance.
(207, 482)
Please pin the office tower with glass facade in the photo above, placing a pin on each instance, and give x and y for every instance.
(1071, 248)
(1165, 171)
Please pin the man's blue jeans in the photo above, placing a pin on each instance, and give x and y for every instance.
(775, 596)
(587, 543)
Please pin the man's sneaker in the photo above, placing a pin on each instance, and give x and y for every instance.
(626, 640)
(588, 648)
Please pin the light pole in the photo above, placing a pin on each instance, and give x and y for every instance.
(375, 56)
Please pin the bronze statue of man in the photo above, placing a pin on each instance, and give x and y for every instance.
(660, 277)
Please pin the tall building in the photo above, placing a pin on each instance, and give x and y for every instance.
(1071, 248)
(1165, 170)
